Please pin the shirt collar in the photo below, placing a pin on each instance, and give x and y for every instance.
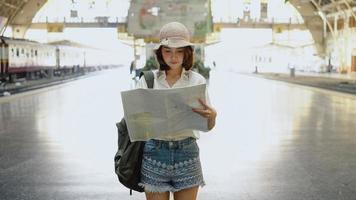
(161, 75)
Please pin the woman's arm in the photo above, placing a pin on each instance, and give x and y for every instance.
(207, 112)
(211, 120)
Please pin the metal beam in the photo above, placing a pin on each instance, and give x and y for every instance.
(8, 5)
(334, 5)
(78, 25)
(329, 15)
(12, 15)
(339, 9)
(349, 8)
(323, 16)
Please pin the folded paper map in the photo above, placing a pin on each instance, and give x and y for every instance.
(153, 113)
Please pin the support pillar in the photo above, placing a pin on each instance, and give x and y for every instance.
(335, 25)
(347, 38)
(325, 26)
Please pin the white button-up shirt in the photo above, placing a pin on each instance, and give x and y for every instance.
(187, 78)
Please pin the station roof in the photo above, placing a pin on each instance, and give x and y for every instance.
(22, 11)
(332, 6)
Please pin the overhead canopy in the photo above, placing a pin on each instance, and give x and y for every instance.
(314, 11)
(19, 13)
(22, 11)
(332, 6)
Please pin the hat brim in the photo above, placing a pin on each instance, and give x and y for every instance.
(173, 44)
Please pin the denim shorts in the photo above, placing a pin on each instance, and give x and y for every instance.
(171, 165)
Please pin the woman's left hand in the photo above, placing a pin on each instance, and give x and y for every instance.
(206, 112)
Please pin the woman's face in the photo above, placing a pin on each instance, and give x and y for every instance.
(173, 57)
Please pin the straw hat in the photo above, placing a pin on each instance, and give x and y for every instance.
(174, 35)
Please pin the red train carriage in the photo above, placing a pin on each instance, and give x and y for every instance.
(29, 60)
(23, 58)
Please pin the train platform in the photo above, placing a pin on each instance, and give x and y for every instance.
(23, 85)
(272, 141)
(331, 81)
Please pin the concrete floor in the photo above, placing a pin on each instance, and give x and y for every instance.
(272, 141)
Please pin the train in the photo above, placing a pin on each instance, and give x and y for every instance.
(26, 59)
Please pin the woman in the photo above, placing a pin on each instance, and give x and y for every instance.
(172, 164)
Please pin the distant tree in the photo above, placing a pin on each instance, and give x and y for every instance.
(201, 69)
(151, 64)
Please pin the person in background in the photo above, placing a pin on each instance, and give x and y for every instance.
(172, 164)
(132, 66)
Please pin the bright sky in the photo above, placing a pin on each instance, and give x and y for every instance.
(231, 9)
(88, 9)
(227, 10)
(222, 9)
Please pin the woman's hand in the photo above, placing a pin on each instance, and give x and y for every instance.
(207, 112)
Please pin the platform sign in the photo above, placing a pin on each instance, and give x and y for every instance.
(121, 28)
(146, 17)
(3, 21)
(55, 28)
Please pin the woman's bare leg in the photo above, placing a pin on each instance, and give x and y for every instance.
(157, 196)
(187, 194)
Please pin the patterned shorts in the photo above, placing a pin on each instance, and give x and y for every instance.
(171, 165)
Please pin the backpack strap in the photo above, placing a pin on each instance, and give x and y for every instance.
(149, 78)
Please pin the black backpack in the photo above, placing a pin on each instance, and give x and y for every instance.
(128, 158)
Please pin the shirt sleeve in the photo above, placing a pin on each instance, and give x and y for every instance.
(201, 80)
(207, 96)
